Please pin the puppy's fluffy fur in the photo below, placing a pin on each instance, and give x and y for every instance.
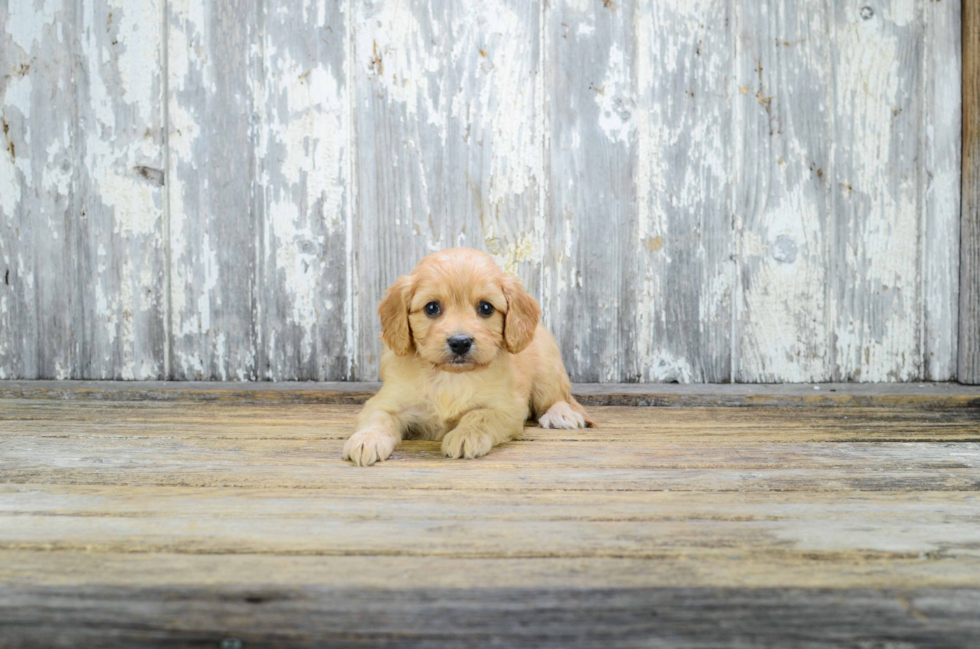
(471, 401)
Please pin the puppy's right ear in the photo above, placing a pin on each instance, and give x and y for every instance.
(393, 310)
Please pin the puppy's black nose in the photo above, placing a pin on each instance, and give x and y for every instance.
(460, 344)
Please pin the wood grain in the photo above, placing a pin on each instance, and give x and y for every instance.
(969, 303)
(167, 523)
(214, 209)
(941, 150)
(591, 156)
(697, 191)
(864, 395)
(683, 241)
(520, 617)
(303, 153)
(783, 178)
(119, 225)
(38, 191)
(877, 194)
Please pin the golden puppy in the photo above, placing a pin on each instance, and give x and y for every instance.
(466, 362)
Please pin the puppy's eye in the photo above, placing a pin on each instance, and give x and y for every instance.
(432, 309)
(485, 309)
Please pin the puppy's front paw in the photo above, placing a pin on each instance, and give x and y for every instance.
(365, 447)
(467, 442)
(561, 415)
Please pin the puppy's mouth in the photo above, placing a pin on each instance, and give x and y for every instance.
(457, 363)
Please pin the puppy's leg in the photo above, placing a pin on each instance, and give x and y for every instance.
(553, 403)
(376, 435)
(565, 414)
(551, 391)
(478, 431)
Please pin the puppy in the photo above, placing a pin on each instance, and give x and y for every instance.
(466, 362)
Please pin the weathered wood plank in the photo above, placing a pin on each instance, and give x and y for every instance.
(877, 297)
(863, 395)
(685, 427)
(520, 617)
(304, 146)
(483, 126)
(188, 522)
(550, 525)
(448, 144)
(277, 573)
(968, 368)
(38, 185)
(119, 254)
(214, 213)
(588, 294)
(941, 151)
(783, 203)
(683, 238)
(685, 450)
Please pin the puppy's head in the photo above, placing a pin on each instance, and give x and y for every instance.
(458, 311)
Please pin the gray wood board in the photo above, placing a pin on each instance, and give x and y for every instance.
(258, 616)
(683, 241)
(635, 394)
(969, 297)
(38, 191)
(214, 210)
(694, 191)
(119, 223)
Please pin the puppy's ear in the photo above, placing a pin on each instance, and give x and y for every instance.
(393, 310)
(522, 316)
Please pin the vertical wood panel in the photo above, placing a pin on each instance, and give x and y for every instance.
(119, 231)
(696, 191)
(214, 311)
(684, 62)
(877, 191)
(303, 154)
(783, 175)
(969, 302)
(37, 184)
(592, 192)
(940, 149)
(448, 153)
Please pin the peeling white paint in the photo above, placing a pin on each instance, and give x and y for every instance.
(308, 134)
(462, 80)
(26, 24)
(879, 345)
(615, 98)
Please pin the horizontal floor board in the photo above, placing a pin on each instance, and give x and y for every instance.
(521, 617)
(221, 521)
(26, 417)
(946, 395)
(168, 523)
(60, 568)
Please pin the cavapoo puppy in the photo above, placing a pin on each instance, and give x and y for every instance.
(465, 362)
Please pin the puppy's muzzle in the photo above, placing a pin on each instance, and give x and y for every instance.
(460, 345)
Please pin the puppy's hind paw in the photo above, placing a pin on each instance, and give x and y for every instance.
(561, 415)
(365, 447)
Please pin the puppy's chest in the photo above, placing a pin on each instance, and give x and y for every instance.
(450, 396)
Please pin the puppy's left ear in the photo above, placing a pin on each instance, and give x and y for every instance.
(522, 316)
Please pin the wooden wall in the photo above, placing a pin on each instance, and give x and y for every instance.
(695, 190)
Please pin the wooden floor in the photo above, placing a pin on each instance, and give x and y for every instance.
(230, 521)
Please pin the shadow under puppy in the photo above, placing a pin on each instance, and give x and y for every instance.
(466, 362)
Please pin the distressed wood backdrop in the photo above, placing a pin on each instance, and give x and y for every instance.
(695, 190)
